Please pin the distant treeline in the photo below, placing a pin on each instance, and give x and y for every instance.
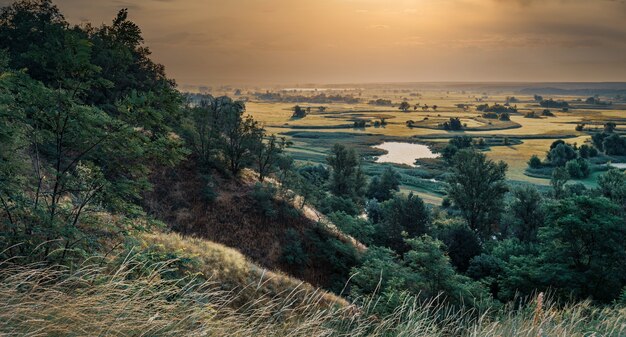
(575, 92)
(317, 99)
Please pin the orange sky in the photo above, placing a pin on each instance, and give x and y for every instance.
(348, 41)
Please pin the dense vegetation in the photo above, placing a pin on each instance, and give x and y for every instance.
(87, 120)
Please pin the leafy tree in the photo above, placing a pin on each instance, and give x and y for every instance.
(402, 214)
(560, 176)
(461, 244)
(299, 112)
(423, 271)
(84, 156)
(240, 136)
(613, 186)
(598, 140)
(578, 168)
(614, 145)
(561, 154)
(582, 249)
(347, 179)
(333, 203)
(526, 209)
(309, 181)
(267, 154)
(477, 185)
(383, 188)
(534, 162)
(453, 124)
(404, 106)
(455, 144)
(609, 127)
(293, 253)
(359, 228)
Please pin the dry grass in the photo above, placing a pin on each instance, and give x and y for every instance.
(234, 298)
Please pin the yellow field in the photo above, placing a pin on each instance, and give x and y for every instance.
(536, 134)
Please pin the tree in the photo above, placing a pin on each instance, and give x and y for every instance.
(578, 168)
(609, 127)
(534, 162)
(561, 154)
(583, 250)
(613, 186)
(461, 244)
(383, 188)
(404, 106)
(299, 112)
(239, 135)
(347, 179)
(424, 271)
(402, 214)
(453, 124)
(526, 209)
(477, 186)
(267, 153)
(560, 176)
(614, 145)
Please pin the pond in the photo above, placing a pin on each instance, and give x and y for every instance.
(404, 153)
(618, 165)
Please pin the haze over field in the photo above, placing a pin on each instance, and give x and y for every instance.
(340, 41)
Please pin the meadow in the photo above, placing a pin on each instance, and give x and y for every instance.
(513, 141)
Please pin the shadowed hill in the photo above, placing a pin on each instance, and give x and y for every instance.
(232, 215)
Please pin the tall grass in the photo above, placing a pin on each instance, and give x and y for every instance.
(134, 299)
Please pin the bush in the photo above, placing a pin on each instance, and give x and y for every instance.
(560, 154)
(578, 168)
(614, 145)
(534, 162)
(263, 195)
(550, 103)
(461, 244)
(334, 203)
(359, 228)
(293, 253)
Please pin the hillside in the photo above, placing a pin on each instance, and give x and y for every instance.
(235, 217)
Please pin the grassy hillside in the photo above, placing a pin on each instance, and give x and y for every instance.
(172, 286)
(237, 218)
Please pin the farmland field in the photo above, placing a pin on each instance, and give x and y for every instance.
(364, 125)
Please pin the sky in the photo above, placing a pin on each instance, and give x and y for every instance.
(359, 41)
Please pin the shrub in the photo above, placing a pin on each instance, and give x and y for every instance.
(578, 168)
(534, 162)
(263, 195)
(334, 203)
(293, 253)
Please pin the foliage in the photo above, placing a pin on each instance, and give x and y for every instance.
(578, 168)
(534, 162)
(527, 212)
(550, 103)
(461, 244)
(333, 203)
(453, 124)
(347, 179)
(561, 154)
(476, 185)
(560, 176)
(384, 187)
(613, 186)
(401, 216)
(423, 271)
(361, 229)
